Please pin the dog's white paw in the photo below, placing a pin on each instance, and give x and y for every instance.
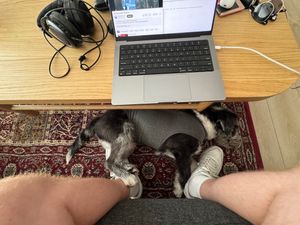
(177, 190)
(113, 175)
(130, 180)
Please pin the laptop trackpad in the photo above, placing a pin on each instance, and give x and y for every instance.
(167, 88)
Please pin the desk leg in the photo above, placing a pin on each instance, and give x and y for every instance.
(10, 108)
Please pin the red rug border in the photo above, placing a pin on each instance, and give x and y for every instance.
(252, 133)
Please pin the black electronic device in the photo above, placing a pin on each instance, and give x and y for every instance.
(71, 23)
(266, 11)
(249, 3)
(101, 5)
(67, 21)
(111, 28)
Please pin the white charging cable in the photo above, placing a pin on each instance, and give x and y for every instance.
(261, 54)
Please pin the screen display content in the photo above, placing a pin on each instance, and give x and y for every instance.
(155, 17)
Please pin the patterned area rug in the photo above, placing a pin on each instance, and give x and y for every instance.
(39, 143)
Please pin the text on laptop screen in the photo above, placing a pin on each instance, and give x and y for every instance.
(155, 17)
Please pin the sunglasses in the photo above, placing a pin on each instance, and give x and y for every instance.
(265, 11)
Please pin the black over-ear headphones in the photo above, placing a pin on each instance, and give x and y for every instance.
(67, 21)
(71, 23)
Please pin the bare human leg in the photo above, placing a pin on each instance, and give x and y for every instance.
(42, 199)
(261, 197)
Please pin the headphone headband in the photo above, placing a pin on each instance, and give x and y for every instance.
(79, 15)
(74, 10)
(51, 6)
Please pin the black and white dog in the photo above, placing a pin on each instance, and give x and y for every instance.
(176, 133)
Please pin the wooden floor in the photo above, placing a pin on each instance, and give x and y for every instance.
(277, 125)
(277, 119)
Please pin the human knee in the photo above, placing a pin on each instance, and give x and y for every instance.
(209, 189)
(284, 209)
(289, 179)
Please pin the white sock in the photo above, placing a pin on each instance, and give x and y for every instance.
(195, 184)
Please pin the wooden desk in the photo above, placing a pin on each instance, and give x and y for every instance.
(24, 57)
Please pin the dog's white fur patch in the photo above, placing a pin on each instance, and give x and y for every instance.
(170, 154)
(217, 107)
(107, 146)
(68, 157)
(208, 125)
(177, 187)
(128, 129)
(126, 138)
(199, 149)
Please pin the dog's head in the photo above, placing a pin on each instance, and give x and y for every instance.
(225, 123)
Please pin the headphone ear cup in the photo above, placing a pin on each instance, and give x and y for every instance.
(59, 27)
(81, 18)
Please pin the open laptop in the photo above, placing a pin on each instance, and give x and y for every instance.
(164, 52)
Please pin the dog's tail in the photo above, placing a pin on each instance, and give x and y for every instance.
(84, 136)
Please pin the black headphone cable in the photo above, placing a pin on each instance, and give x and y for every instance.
(57, 51)
(98, 43)
(84, 66)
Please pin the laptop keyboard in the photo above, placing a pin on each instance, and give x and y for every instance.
(164, 58)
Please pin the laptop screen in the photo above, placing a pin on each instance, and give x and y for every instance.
(134, 18)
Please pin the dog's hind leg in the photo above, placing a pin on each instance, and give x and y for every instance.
(121, 148)
(84, 136)
(182, 147)
(183, 173)
(127, 140)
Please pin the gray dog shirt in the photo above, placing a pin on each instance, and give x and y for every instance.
(153, 127)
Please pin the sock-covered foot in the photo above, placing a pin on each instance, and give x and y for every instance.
(209, 167)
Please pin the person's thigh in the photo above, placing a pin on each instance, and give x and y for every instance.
(29, 199)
